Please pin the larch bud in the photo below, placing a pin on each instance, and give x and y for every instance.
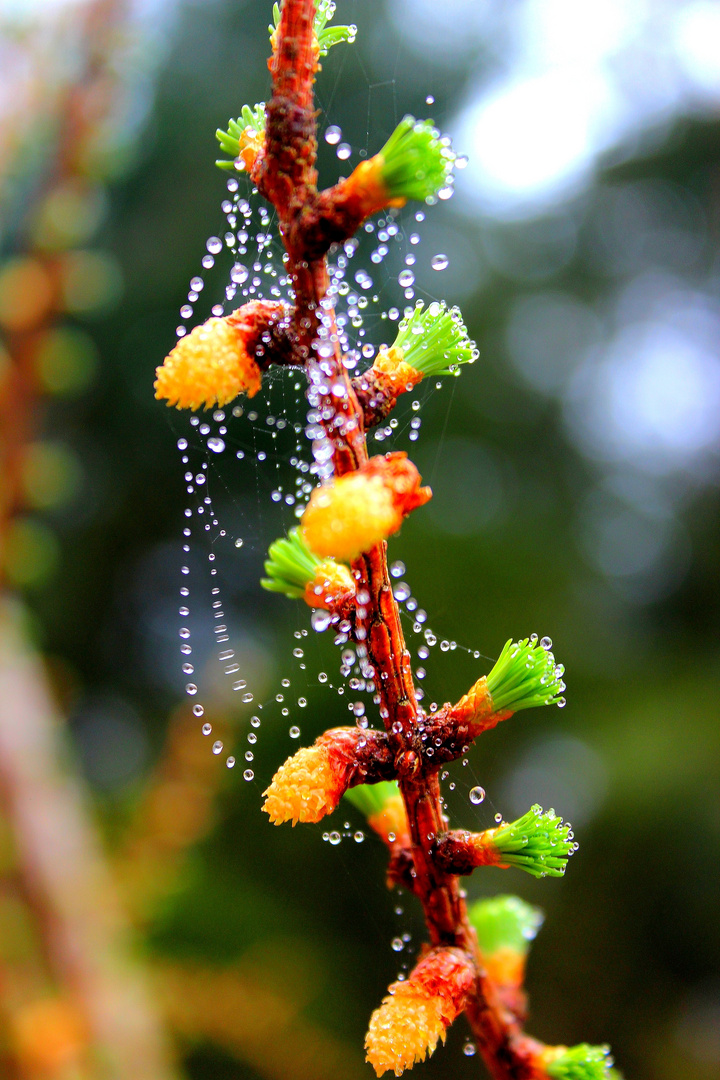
(244, 139)
(582, 1062)
(395, 375)
(217, 360)
(432, 341)
(296, 571)
(525, 675)
(324, 37)
(539, 843)
(353, 513)
(383, 806)
(311, 783)
(417, 1012)
(415, 162)
(505, 927)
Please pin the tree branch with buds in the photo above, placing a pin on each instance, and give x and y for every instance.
(336, 559)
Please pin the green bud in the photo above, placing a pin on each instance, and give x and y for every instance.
(526, 675)
(415, 161)
(505, 922)
(327, 36)
(230, 140)
(434, 340)
(371, 798)
(538, 842)
(290, 566)
(582, 1062)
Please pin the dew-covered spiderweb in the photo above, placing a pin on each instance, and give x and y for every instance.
(255, 659)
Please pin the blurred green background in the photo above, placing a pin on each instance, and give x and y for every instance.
(575, 468)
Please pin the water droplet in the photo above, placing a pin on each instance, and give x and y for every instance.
(206, 729)
(230, 763)
(320, 619)
(397, 569)
(477, 794)
(344, 151)
(406, 278)
(430, 100)
(397, 944)
(217, 747)
(333, 135)
(358, 837)
(214, 245)
(191, 688)
(248, 775)
(239, 274)
(294, 732)
(238, 542)
(469, 1049)
(439, 262)
(498, 818)
(334, 838)
(216, 444)
(198, 710)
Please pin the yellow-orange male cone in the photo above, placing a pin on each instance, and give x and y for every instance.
(417, 1012)
(216, 361)
(356, 511)
(311, 783)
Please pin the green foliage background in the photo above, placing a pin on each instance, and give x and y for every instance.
(630, 952)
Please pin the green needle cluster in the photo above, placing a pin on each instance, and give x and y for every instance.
(434, 340)
(581, 1062)
(538, 842)
(290, 566)
(526, 675)
(504, 922)
(371, 798)
(230, 140)
(416, 162)
(327, 36)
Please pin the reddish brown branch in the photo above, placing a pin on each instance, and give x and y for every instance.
(287, 177)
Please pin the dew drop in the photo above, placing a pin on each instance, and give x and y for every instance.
(439, 262)
(230, 763)
(217, 747)
(334, 838)
(406, 278)
(469, 1049)
(239, 273)
(191, 688)
(333, 135)
(248, 775)
(320, 619)
(216, 444)
(477, 794)
(397, 569)
(397, 944)
(214, 245)
(206, 729)
(294, 732)
(344, 151)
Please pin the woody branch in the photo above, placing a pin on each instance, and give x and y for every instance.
(288, 179)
